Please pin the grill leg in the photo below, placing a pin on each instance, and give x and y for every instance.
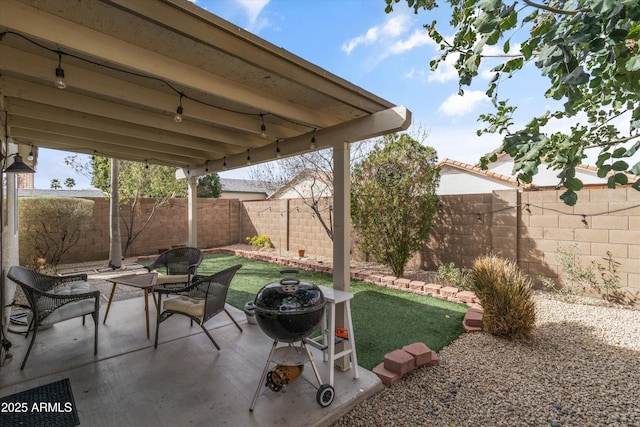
(313, 364)
(264, 375)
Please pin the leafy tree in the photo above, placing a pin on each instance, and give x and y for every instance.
(589, 52)
(136, 181)
(50, 226)
(55, 184)
(209, 186)
(393, 199)
(69, 182)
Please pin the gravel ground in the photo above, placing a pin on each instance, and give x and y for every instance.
(580, 368)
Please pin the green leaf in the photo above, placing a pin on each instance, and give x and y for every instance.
(633, 64)
(620, 165)
(573, 184)
(604, 170)
(576, 77)
(619, 152)
(506, 47)
(486, 22)
(569, 197)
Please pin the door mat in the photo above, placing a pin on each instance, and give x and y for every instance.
(49, 405)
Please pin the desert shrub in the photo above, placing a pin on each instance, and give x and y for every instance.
(451, 275)
(506, 297)
(50, 226)
(260, 241)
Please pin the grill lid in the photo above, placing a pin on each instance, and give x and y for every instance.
(289, 296)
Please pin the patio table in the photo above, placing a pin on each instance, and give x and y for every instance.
(146, 282)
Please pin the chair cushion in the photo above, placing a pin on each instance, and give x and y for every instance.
(72, 309)
(171, 278)
(184, 304)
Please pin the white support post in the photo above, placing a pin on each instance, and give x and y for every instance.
(341, 219)
(341, 238)
(193, 211)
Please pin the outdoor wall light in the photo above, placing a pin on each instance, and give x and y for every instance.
(60, 83)
(18, 166)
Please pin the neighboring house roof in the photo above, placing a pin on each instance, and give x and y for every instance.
(462, 178)
(244, 186)
(31, 192)
(301, 185)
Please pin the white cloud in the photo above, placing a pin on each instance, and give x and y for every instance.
(417, 39)
(371, 36)
(252, 8)
(456, 105)
(393, 28)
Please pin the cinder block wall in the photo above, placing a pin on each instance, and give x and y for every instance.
(530, 227)
(218, 225)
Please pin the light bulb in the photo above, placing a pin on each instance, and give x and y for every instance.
(30, 156)
(60, 83)
(178, 117)
(263, 131)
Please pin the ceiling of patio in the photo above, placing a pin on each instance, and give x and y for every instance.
(129, 64)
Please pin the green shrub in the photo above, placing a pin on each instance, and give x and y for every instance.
(260, 241)
(50, 226)
(506, 297)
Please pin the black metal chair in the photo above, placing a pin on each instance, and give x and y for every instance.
(201, 300)
(176, 267)
(51, 302)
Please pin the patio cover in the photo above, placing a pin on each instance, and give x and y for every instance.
(129, 64)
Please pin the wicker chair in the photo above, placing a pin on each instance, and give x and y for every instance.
(176, 267)
(201, 300)
(51, 302)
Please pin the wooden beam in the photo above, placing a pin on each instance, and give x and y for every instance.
(106, 48)
(126, 116)
(119, 90)
(394, 119)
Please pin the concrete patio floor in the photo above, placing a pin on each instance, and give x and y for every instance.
(185, 381)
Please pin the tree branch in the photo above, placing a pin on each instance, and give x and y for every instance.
(556, 10)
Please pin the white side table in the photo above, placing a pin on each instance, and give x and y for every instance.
(333, 297)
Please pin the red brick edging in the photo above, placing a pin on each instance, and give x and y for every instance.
(472, 321)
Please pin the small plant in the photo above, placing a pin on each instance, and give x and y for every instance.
(260, 241)
(451, 275)
(609, 285)
(577, 278)
(506, 297)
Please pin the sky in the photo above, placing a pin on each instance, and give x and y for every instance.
(386, 54)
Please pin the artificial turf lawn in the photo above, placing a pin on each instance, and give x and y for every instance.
(383, 319)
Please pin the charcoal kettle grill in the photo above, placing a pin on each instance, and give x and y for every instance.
(289, 311)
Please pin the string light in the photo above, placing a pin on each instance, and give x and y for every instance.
(263, 128)
(278, 153)
(60, 83)
(178, 116)
(146, 164)
(206, 166)
(224, 164)
(248, 157)
(313, 140)
(30, 156)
